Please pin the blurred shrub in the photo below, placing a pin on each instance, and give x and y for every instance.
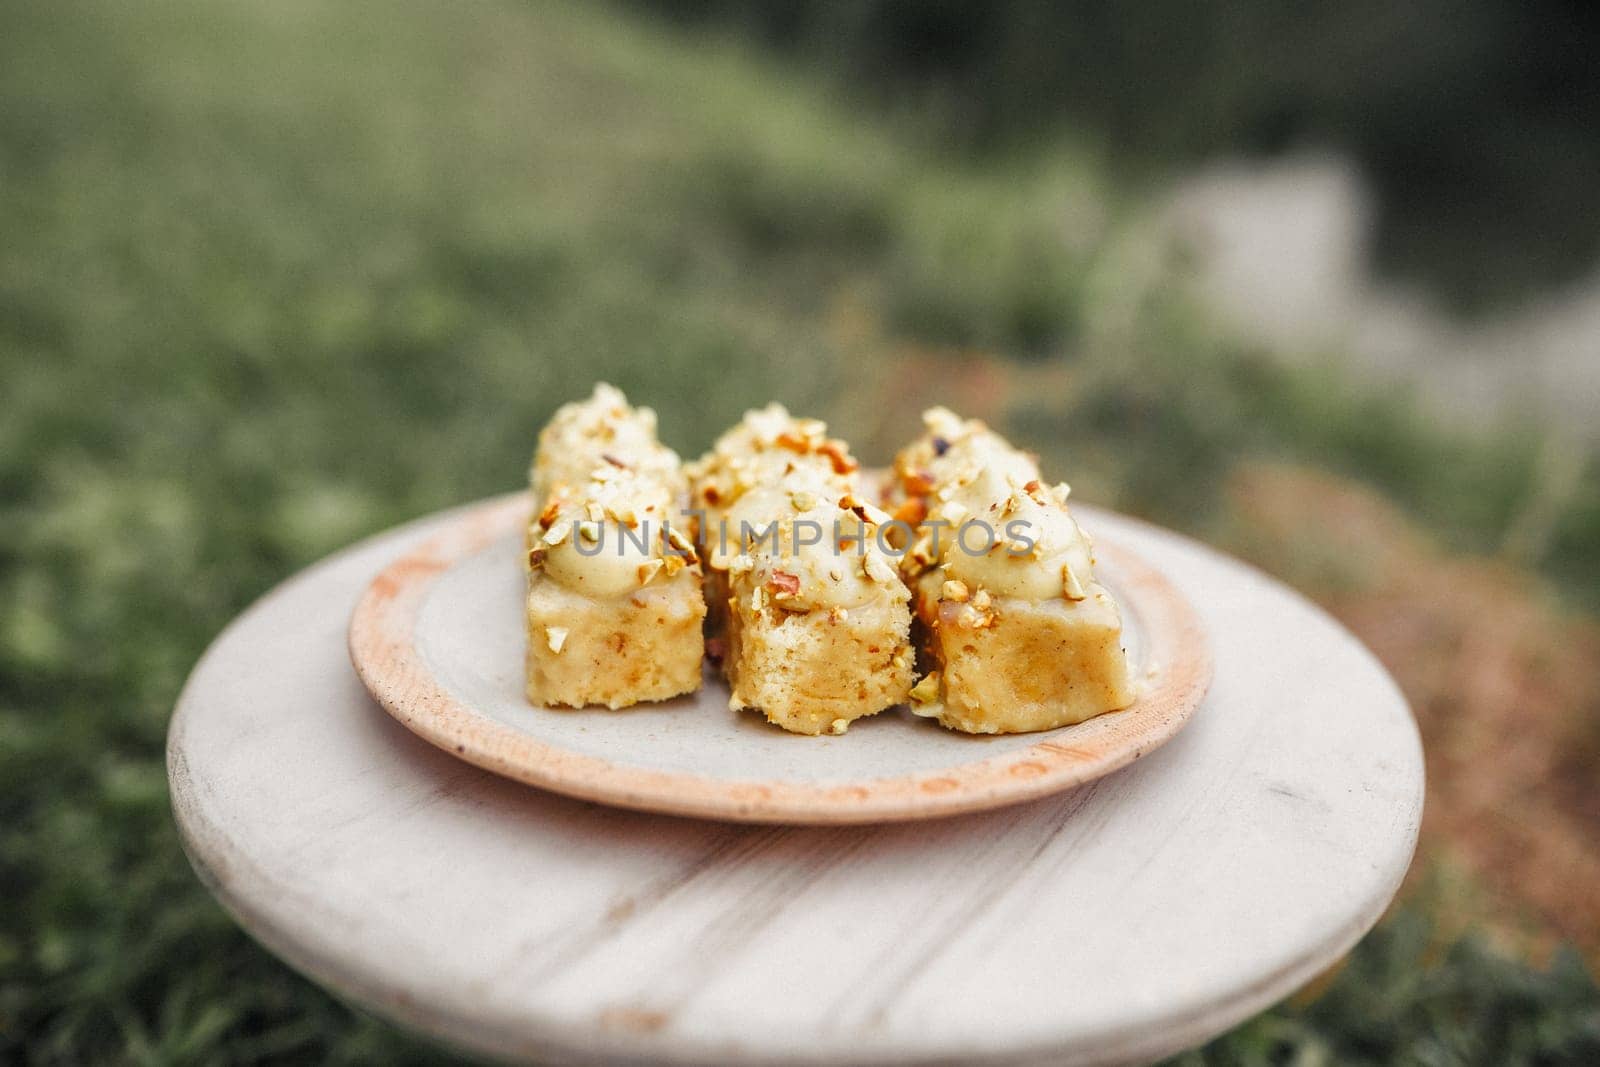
(1475, 121)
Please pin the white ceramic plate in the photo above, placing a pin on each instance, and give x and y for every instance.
(438, 641)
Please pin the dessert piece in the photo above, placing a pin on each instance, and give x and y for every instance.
(581, 435)
(1019, 633)
(760, 451)
(614, 601)
(813, 614)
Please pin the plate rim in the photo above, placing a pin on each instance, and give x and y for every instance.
(383, 652)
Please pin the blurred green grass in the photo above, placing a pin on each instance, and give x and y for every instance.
(273, 277)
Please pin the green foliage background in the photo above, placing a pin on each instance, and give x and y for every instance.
(276, 276)
(1473, 120)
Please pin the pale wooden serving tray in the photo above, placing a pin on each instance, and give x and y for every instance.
(1116, 923)
(438, 641)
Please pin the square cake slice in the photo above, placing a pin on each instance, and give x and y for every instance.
(614, 651)
(818, 634)
(814, 619)
(1019, 633)
(613, 603)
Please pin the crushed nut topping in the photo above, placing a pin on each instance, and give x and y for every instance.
(556, 638)
(1038, 493)
(648, 570)
(623, 513)
(840, 459)
(678, 540)
(954, 589)
(921, 556)
(913, 511)
(1071, 588)
(873, 566)
(794, 442)
(927, 690)
(783, 585)
(864, 510)
(970, 617)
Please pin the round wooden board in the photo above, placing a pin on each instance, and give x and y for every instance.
(438, 641)
(1123, 921)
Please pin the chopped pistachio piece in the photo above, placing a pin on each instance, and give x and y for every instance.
(1071, 588)
(555, 637)
(927, 690)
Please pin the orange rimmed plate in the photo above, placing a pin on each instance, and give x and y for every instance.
(438, 641)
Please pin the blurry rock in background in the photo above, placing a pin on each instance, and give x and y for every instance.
(1284, 249)
(1415, 184)
(1473, 120)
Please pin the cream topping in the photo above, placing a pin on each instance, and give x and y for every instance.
(781, 516)
(998, 527)
(769, 456)
(799, 566)
(607, 491)
(584, 434)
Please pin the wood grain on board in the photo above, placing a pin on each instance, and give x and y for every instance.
(1135, 916)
